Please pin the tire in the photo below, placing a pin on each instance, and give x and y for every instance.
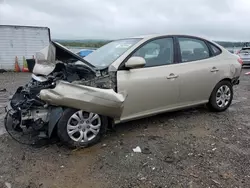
(213, 103)
(70, 123)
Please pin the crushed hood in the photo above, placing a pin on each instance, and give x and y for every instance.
(47, 58)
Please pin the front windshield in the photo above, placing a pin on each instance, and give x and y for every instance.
(108, 53)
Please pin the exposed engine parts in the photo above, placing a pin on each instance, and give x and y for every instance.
(61, 80)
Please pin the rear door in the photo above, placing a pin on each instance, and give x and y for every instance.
(198, 71)
(153, 88)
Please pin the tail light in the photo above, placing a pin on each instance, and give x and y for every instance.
(240, 61)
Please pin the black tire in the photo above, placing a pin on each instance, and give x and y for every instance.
(212, 104)
(64, 137)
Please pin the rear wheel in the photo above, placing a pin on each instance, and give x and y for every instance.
(221, 97)
(78, 128)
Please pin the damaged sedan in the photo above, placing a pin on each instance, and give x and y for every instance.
(78, 99)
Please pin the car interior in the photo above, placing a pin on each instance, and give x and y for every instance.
(163, 57)
(198, 53)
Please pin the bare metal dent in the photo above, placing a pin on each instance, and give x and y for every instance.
(102, 101)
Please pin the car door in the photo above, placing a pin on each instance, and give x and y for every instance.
(198, 71)
(153, 88)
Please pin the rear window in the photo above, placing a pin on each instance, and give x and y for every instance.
(215, 49)
(245, 50)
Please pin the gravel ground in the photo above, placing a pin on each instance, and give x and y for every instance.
(191, 148)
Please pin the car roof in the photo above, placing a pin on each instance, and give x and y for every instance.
(164, 35)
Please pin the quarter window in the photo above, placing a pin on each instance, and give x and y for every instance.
(215, 49)
(157, 52)
(193, 49)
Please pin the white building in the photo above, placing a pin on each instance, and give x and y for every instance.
(21, 41)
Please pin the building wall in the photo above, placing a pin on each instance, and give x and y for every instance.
(21, 41)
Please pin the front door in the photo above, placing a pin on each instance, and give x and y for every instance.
(153, 88)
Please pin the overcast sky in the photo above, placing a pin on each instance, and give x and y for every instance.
(110, 19)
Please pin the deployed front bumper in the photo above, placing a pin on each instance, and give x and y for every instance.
(101, 101)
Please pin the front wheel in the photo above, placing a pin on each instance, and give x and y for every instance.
(221, 97)
(78, 128)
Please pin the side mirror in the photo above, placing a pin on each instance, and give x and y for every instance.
(135, 62)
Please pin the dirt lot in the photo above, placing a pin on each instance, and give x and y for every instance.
(192, 148)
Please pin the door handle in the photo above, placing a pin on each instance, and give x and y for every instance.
(214, 69)
(171, 76)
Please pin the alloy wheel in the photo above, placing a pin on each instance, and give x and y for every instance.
(223, 96)
(83, 126)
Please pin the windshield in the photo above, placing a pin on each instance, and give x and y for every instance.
(108, 53)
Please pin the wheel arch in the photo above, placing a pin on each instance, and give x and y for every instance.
(224, 79)
(212, 99)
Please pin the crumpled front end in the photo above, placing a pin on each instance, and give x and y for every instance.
(45, 60)
(101, 101)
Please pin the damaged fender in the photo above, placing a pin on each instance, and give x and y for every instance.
(101, 101)
(55, 115)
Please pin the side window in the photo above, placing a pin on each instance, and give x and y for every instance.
(215, 49)
(157, 52)
(193, 49)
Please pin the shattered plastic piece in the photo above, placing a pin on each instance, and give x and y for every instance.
(3, 90)
(153, 168)
(214, 149)
(8, 185)
(137, 149)
(62, 166)
(104, 145)
(142, 178)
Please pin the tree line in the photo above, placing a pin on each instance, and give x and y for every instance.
(98, 44)
(84, 44)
